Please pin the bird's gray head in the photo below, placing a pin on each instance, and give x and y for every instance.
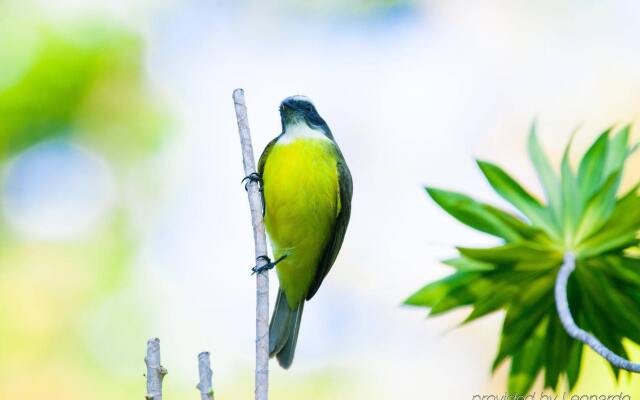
(298, 109)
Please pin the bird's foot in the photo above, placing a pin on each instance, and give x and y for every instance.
(256, 177)
(252, 177)
(269, 265)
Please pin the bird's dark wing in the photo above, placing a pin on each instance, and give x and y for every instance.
(261, 164)
(265, 154)
(342, 220)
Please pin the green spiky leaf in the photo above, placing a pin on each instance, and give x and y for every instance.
(515, 194)
(618, 151)
(473, 214)
(584, 214)
(527, 362)
(548, 178)
(468, 264)
(592, 167)
(571, 203)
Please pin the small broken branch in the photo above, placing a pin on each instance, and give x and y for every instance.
(260, 240)
(205, 386)
(562, 305)
(155, 370)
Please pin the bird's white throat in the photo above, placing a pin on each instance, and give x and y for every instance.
(301, 131)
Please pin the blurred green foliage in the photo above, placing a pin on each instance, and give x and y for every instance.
(85, 81)
(68, 314)
(584, 215)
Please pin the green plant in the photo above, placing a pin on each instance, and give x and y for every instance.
(582, 216)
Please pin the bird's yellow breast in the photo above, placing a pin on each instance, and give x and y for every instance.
(301, 196)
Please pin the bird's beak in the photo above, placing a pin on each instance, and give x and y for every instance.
(285, 108)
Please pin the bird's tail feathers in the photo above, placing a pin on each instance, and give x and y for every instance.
(283, 330)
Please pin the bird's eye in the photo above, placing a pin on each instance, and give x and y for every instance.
(308, 108)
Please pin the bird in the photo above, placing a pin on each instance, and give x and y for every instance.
(307, 189)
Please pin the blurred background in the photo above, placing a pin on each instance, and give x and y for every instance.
(123, 218)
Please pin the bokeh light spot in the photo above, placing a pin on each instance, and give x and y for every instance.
(56, 190)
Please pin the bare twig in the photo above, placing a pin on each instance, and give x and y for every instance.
(562, 305)
(262, 278)
(205, 385)
(155, 371)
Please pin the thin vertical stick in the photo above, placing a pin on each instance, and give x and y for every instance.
(562, 305)
(155, 371)
(205, 386)
(262, 278)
